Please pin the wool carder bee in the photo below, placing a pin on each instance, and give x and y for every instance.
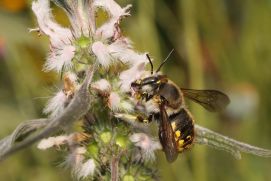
(164, 101)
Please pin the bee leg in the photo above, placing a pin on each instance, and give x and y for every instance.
(134, 118)
(162, 101)
(146, 96)
(145, 120)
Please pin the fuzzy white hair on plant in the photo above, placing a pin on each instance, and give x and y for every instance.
(147, 144)
(52, 141)
(58, 35)
(56, 104)
(101, 85)
(86, 169)
(114, 100)
(122, 49)
(108, 29)
(72, 77)
(81, 16)
(60, 59)
(130, 75)
(100, 50)
(113, 8)
(126, 106)
(62, 52)
(75, 158)
(116, 103)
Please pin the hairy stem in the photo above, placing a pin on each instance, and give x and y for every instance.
(75, 110)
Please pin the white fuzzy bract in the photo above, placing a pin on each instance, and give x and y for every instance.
(62, 52)
(126, 106)
(102, 53)
(112, 8)
(58, 35)
(130, 75)
(147, 145)
(81, 15)
(52, 141)
(56, 105)
(117, 104)
(101, 85)
(86, 169)
(75, 158)
(122, 49)
(60, 59)
(108, 29)
(72, 77)
(114, 101)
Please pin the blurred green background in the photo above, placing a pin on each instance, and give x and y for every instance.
(219, 44)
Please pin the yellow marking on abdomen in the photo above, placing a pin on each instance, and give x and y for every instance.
(188, 137)
(181, 142)
(178, 133)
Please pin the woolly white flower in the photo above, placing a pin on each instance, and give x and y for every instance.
(60, 59)
(101, 85)
(122, 49)
(62, 52)
(114, 101)
(86, 169)
(56, 105)
(130, 75)
(102, 54)
(112, 8)
(52, 141)
(126, 106)
(147, 145)
(58, 35)
(81, 15)
(72, 77)
(75, 158)
(80, 168)
(108, 29)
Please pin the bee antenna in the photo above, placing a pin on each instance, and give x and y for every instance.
(150, 63)
(161, 65)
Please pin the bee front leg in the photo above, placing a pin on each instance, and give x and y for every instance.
(131, 118)
(160, 100)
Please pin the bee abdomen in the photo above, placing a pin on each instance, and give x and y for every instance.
(183, 126)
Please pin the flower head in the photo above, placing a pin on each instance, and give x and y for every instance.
(147, 145)
(72, 51)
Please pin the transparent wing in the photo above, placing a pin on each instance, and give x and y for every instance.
(212, 100)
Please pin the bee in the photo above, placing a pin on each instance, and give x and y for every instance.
(164, 101)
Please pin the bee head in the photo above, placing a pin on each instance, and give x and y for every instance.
(149, 84)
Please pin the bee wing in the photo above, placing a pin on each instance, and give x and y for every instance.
(212, 100)
(166, 136)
